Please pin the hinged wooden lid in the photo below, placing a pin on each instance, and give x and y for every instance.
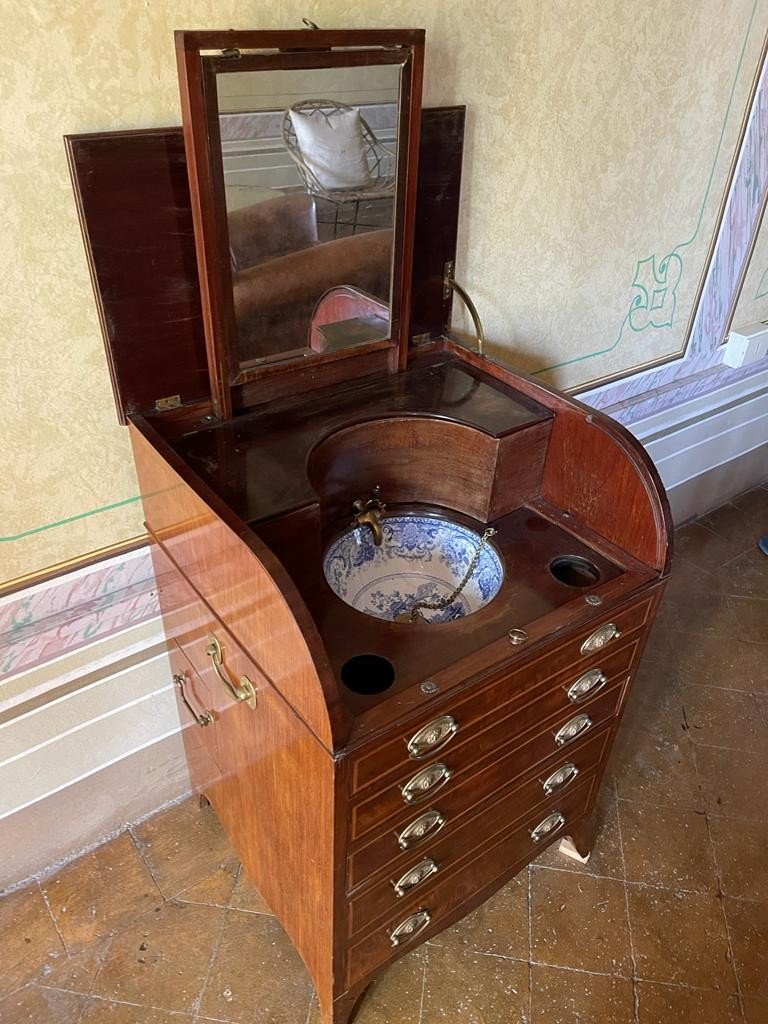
(133, 200)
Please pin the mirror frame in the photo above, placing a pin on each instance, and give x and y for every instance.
(200, 56)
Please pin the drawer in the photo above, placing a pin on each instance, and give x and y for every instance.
(478, 807)
(423, 915)
(521, 687)
(521, 702)
(419, 872)
(230, 675)
(529, 746)
(198, 720)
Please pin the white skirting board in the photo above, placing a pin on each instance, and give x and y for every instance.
(102, 751)
(710, 448)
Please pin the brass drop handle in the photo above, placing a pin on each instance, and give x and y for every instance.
(560, 778)
(410, 927)
(586, 685)
(426, 782)
(415, 876)
(426, 825)
(602, 635)
(551, 824)
(432, 737)
(573, 728)
(243, 691)
(206, 718)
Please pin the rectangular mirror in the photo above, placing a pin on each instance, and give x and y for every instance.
(309, 161)
(302, 174)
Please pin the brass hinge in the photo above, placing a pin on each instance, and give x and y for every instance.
(171, 402)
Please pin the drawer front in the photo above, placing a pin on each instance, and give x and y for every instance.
(423, 868)
(531, 746)
(230, 676)
(520, 687)
(430, 910)
(488, 802)
(198, 721)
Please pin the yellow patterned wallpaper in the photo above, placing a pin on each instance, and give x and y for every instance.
(599, 137)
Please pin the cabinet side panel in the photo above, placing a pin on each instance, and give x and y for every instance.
(273, 782)
(233, 581)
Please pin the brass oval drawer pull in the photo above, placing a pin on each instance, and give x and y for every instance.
(432, 737)
(573, 728)
(428, 780)
(415, 876)
(428, 824)
(243, 691)
(590, 682)
(410, 927)
(552, 823)
(560, 779)
(204, 718)
(603, 635)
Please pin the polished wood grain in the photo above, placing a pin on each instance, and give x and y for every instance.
(555, 637)
(509, 702)
(241, 583)
(457, 895)
(431, 461)
(436, 227)
(388, 809)
(141, 255)
(133, 202)
(452, 851)
(201, 744)
(381, 858)
(516, 701)
(210, 242)
(596, 470)
(276, 442)
(411, 460)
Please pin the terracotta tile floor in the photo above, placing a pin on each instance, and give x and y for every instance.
(668, 921)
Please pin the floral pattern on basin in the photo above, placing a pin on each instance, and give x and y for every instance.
(420, 559)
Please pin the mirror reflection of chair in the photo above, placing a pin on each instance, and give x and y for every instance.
(338, 156)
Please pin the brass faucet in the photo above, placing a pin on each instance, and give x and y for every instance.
(368, 513)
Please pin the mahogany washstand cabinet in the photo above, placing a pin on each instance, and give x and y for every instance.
(381, 769)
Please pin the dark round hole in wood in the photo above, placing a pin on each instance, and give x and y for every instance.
(368, 674)
(574, 571)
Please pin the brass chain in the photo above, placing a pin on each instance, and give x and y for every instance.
(444, 602)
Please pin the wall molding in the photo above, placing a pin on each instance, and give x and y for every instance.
(700, 368)
(711, 447)
(90, 736)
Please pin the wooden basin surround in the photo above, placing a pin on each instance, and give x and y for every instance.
(370, 823)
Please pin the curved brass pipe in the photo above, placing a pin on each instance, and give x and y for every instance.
(450, 284)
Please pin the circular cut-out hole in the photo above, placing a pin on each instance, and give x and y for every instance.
(574, 571)
(368, 674)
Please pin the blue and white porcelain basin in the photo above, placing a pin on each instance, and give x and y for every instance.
(421, 558)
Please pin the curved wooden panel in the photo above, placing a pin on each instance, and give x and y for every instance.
(595, 475)
(595, 470)
(220, 559)
(432, 460)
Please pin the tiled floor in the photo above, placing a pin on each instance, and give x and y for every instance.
(668, 922)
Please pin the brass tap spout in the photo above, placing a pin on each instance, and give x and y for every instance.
(368, 513)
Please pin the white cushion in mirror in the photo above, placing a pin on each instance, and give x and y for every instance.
(333, 147)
